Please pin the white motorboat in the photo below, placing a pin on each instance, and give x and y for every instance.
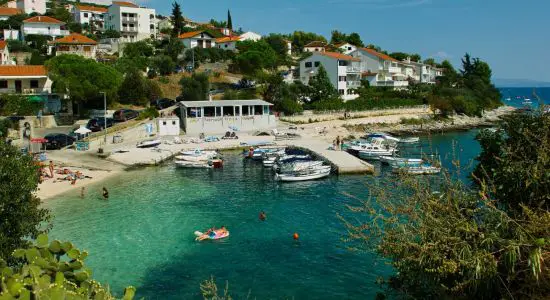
(203, 158)
(395, 161)
(192, 164)
(299, 166)
(418, 170)
(148, 143)
(410, 140)
(375, 151)
(303, 176)
(198, 152)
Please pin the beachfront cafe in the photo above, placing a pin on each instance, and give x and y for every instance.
(218, 117)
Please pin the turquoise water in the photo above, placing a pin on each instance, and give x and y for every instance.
(513, 93)
(143, 235)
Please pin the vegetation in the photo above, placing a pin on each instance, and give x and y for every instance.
(148, 113)
(195, 88)
(400, 56)
(448, 241)
(255, 56)
(18, 105)
(136, 89)
(338, 37)
(177, 19)
(52, 270)
(321, 87)
(21, 216)
(229, 20)
(300, 39)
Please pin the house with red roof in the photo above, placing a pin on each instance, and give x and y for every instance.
(134, 23)
(26, 80)
(43, 25)
(6, 12)
(380, 69)
(228, 42)
(346, 48)
(343, 70)
(29, 6)
(315, 46)
(77, 44)
(200, 38)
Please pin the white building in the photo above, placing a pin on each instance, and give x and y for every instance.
(250, 36)
(346, 48)
(169, 126)
(424, 73)
(6, 12)
(29, 6)
(315, 46)
(76, 44)
(133, 22)
(380, 69)
(26, 80)
(43, 25)
(92, 16)
(201, 39)
(343, 70)
(5, 58)
(228, 42)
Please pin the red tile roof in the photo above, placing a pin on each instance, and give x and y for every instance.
(92, 8)
(124, 3)
(22, 71)
(3, 44)
(316, 44)
(339, 56)
(75, 38)
(9, 11)
(227, 39)
(368, 74)
(191, 34)
(43, 19)
(379, 55)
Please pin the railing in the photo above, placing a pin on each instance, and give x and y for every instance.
(129, 29)
(353, 69)
(87, 54)
(37, 91)
(129, 19)
(353, 84)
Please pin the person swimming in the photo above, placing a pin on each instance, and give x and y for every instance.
(105, 193)
(262, 216)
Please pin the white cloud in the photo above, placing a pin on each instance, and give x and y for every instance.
(441, 55)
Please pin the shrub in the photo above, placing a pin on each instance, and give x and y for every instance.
(148, 113)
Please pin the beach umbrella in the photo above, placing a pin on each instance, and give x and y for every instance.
(82, 130)
(36, 99)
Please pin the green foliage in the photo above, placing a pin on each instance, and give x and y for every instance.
(400, 56)
(21, 216)
(278, 43)
(163, 65)
(13, 22)
(38, 42)
(174, 49)
(138, 49)
(430, 61)
(229, 20)
(209, 290)
(110, 34)
(52, 271)
(18, 46)
(254, 57)
(125, 64)
(195, 88)
(37, 59)
(300, 39)
(148, 113)
(218, 24)
(82, 79)
(321, 87)
(5, 124)
(338, 37)
(138, 90)
(239, 95)
(18, 105)
(203, 55)
(177, 20)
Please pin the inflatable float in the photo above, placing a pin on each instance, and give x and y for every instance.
(215, 236)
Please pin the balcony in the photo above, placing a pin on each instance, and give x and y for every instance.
(129, 29)
(130, 19)
(394, 70)
(353, 84)
(353, 69)
(36, 91)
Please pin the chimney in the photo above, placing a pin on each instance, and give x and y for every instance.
(209, 97)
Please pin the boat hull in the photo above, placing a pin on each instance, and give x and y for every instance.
(294, 178)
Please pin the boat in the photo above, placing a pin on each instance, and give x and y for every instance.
(216, 236)
(375, 153)
(304, 176)
(198, 152)
(214, 163)
(148, 143)
(269, 159)
(410, 140)
(394, 160)
(299, 166)
(258, 153)
(418, 170)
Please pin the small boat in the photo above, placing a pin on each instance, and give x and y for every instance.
(394, 161)
(215, 236)
(410, 140)
(304, 176)
(214, 163)
(148, 143)
(198, 152)
(299, 166)
(425, 169)
(375, 152)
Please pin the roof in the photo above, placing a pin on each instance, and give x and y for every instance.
(342, 44)
(75, 38)
(368, 74)
(227, 39)
(191, 34)
(20, 71)
(9, 11)
(124, 3)
(378, 54)
(43, 19)
(337, 55)
(92, 8)
(316, 44)
(223, 103)
(3, 44)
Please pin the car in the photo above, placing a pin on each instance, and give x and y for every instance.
(58, 140)
(123, 115)
(163, 103)
(98, 124)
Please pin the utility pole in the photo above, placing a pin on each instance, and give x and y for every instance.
(104, 117)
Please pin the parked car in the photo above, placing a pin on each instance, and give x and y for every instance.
(123, 115)
(96, 125)
(58, 140)
(162, 103)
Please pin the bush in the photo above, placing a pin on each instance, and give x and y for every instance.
(289, 106)
(5, 124)
(148, 113)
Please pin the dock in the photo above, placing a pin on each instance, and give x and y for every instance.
(342, 161)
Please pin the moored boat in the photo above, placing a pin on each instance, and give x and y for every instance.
(148, 143)
(304, 176)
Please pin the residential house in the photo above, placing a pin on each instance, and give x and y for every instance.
(343, 70)
(425, 73)
(133, 22)
(228, 42)
(6, 12)
(250, 36)
(29, 6)
(380, 69)
(165, 23)
(43, 25)
(27, 80)
(90, 16)
(5, 58)
(315, 46)
(346, 48)
(76, 44)
(201, 39)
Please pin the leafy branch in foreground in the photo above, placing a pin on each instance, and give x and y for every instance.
(209, 290)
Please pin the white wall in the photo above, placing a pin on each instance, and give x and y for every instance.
(114, 20)
(168, 126)
(50, 29)
(227, 46)
(32, 6)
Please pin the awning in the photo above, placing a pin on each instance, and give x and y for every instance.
(36, 99)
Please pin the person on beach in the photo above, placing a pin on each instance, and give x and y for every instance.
(338, 143)
(51, 167)
(334, 145)
(105, 193)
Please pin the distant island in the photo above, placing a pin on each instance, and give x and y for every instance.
(499, 82)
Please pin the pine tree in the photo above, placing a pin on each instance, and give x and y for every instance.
(321, 87)
(229, 21)
(177, 19)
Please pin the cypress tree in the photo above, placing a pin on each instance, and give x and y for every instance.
(229, 21)
(177, 19)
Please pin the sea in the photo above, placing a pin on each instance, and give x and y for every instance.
(516, 96)
(144, 234)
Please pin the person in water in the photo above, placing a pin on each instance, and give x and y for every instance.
(262, 216)
(105, 193)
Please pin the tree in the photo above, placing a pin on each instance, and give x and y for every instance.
(255, 56)
(430, 61)
(218, 24)
(416, 57)
(321, 87)
(138, 49)
(13, 22)
(21, 216)
(229, 21)
(400, 56)
(277, 42)
(82, 79)
(301, 38)
(110, 34)
(355, 39)
(133, 89)
(195, 88)
(174, 49)
(177, 19)
(52, 270)
(338, 37)
(163, 65)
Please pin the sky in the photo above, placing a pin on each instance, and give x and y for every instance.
(512, 36)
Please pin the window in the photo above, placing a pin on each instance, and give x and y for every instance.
(151, 16)
(246, 110)
(317, 63)
(308, 64)
(124, 14)
(225, 46)
(164, 123)
(34, 84)
(174, 123)
(85, 15)
(258, 110)
(237, 110)
(341, 92)
(3, 84)
(152, 26)
(228, 111)
(342, 63)
(342, 78)
(218, 111)
(316, 49)
(210, 111)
